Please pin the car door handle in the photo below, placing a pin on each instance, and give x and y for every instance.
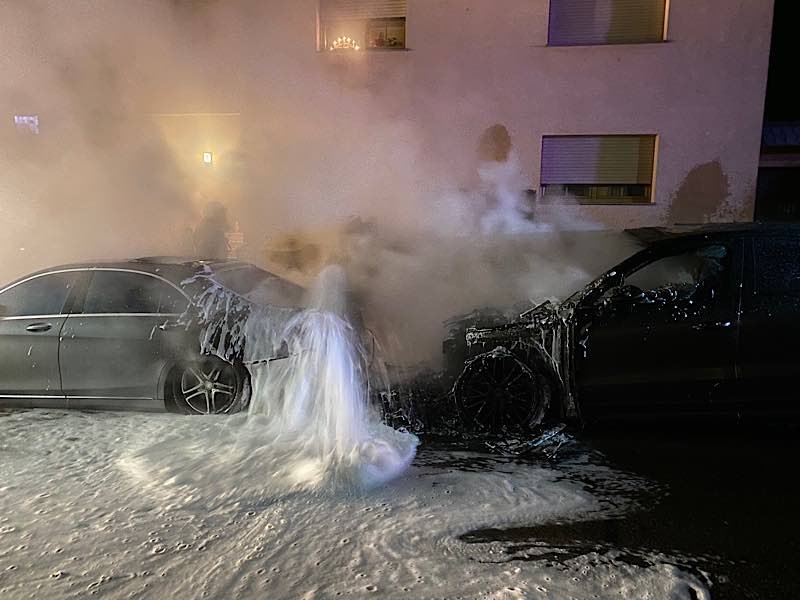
(714, 325)
(39, 327)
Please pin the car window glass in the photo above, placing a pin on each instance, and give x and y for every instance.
(43, 295)
(683, 273)
(777, 266)
(122, 292)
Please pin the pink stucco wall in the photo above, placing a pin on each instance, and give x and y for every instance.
(701, 92)
(473, 63)
(469, 64)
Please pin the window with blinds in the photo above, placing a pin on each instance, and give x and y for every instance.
(599, 169)
(590, 22)
(362, 24)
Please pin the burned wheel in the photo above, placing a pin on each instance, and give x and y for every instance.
(498, 393)
(208, 386)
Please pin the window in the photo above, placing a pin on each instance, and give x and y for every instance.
(685, 273)
(599, 169)
(43, 295)
(777, 267)
(362, 24)
(29, 123)
(123, 292)
(591, 22)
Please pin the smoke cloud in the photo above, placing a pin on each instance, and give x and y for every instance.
(315, 155)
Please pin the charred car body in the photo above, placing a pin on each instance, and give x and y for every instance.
(701, 322)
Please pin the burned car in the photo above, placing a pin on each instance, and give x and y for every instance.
(700, 322)
(144, 334)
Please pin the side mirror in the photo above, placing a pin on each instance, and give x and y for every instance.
(618, 300)
(628, 292)
(621, 293)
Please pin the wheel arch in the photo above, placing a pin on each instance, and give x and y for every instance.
(542, 364)
(535, 361)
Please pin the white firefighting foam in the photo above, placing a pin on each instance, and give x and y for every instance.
(73, 523)
(309, 425)
(316, 400)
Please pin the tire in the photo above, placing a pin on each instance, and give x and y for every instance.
(209, 385)
(498, 393)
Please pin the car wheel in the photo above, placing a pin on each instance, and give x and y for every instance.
(209, 386)
(498, 393)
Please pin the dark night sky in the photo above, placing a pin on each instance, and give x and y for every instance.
(782, 104)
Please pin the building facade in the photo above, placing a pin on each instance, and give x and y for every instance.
(647, 112)
(779, 170)
(644, 112)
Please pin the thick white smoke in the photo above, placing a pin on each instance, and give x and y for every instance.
(303, 142)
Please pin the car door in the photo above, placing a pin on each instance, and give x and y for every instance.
(111, 351)
(769, 348)
(33, 313)
(665, 337)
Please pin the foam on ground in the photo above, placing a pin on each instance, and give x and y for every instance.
(73, 521)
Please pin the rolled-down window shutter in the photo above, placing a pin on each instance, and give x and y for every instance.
(587, 22)
(356, 10)
(598, 160)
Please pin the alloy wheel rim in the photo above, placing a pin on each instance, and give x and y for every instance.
(498, 395)
(208, 389)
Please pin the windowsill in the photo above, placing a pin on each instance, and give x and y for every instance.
(615, 203)
(364, 51)
(578, 202)
(611, 44)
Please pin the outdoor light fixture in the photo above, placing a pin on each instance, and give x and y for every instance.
(208, 158)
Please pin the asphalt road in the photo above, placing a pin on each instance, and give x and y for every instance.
(720, 503)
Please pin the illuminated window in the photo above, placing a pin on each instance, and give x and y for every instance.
(599, 169)
(590, 22)
(352, 25)
(27, 123)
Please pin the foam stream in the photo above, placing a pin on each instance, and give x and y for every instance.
(309, 425)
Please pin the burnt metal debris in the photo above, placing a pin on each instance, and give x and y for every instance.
(519, 372)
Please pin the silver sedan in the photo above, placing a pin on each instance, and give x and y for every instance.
(116, 336)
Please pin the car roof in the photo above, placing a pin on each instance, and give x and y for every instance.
(175, 269)
(652, 235)
(658, 240)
